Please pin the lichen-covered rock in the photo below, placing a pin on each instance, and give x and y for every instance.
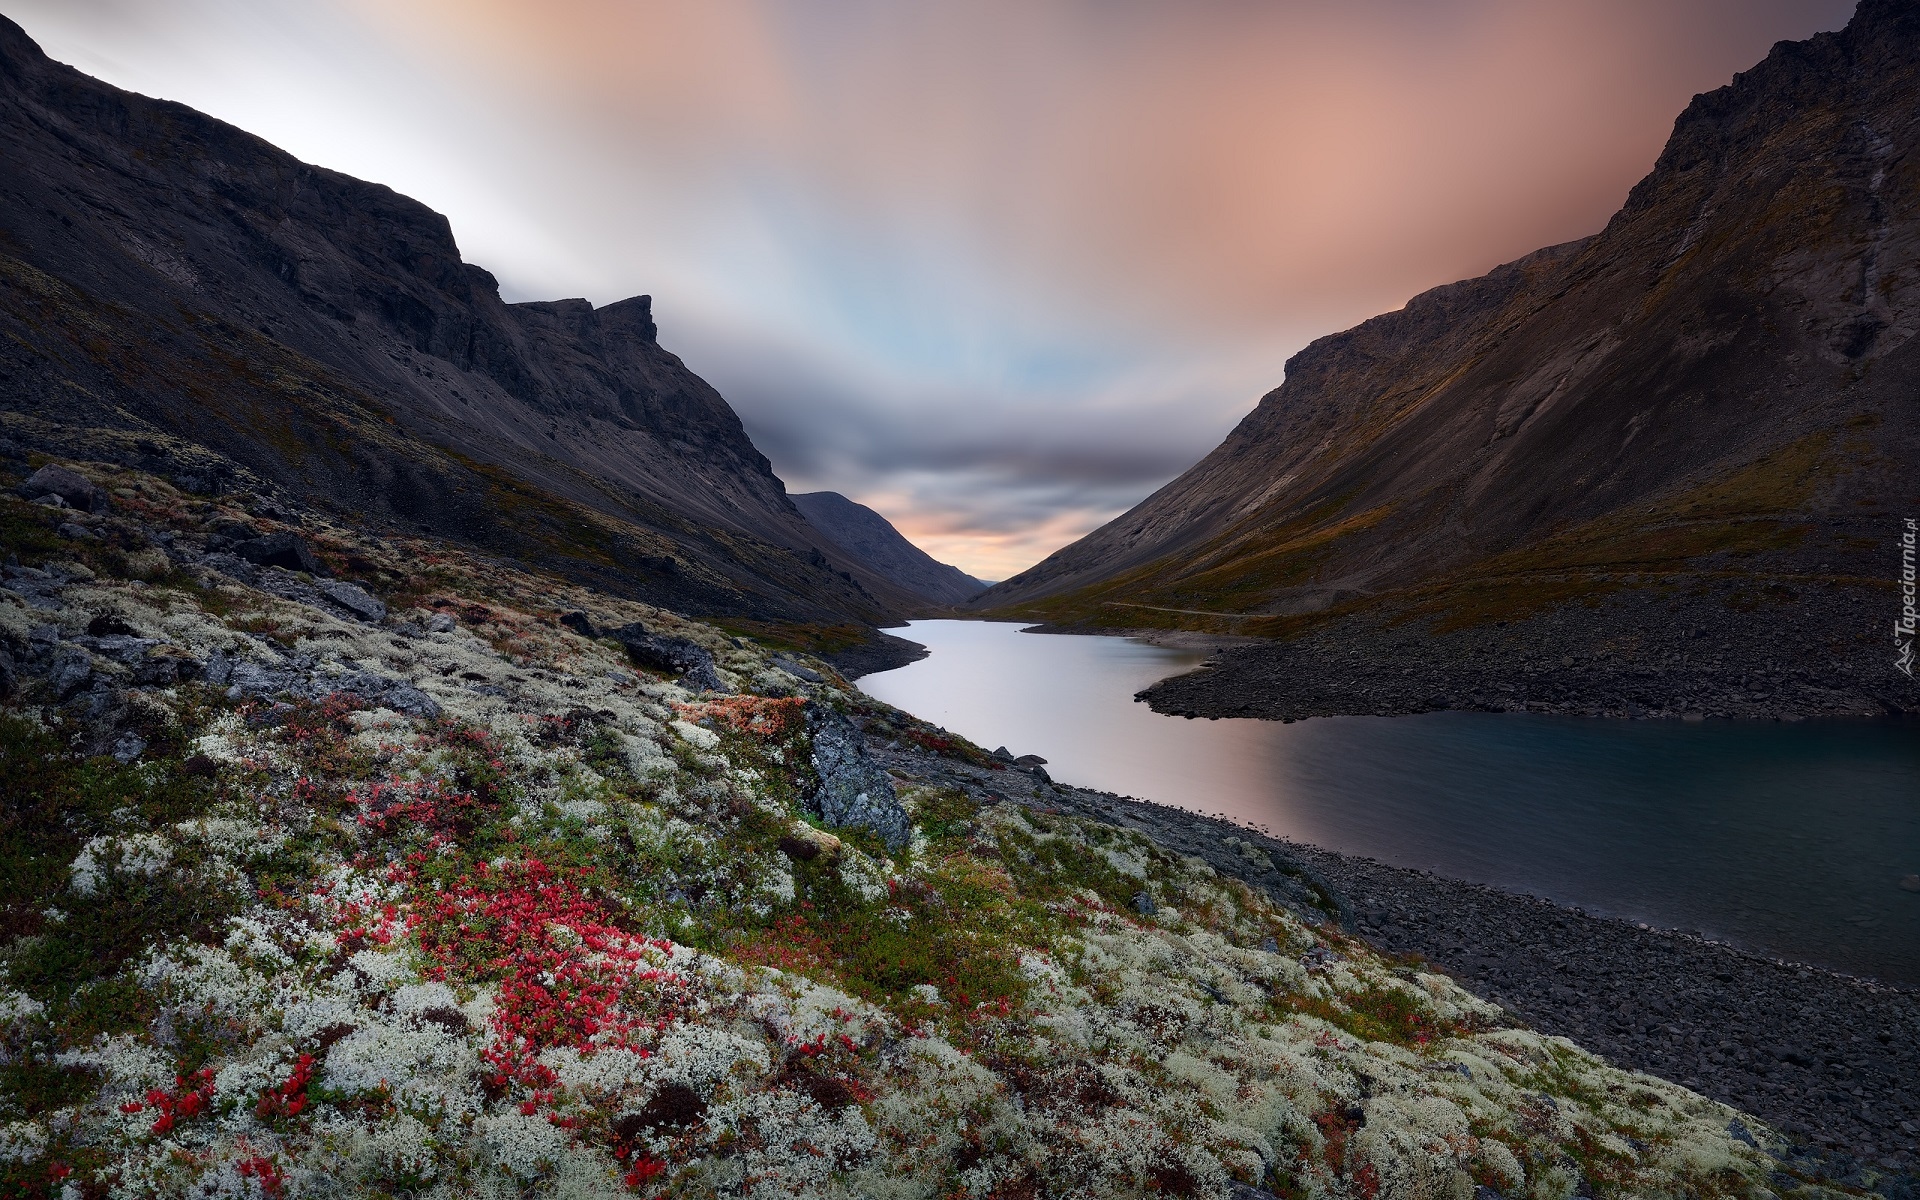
(72, 487)
(853, 789)
(690, 661)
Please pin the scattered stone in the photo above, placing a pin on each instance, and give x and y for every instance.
(77, 533)
(50, 501)
(1144, 905)
(853, 789)
(580, 623)
(355, 599)
(287, 550)
(439, 623)
(73, 489)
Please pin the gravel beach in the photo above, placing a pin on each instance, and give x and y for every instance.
(1831, 1061)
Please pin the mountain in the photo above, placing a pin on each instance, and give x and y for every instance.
(180, 295)
(872, 539)
(1697, 424)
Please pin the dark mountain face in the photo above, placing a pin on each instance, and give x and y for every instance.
(1713, 397)
(872, 539)
(169, 282)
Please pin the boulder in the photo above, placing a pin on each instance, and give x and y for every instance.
(689, 661)
(580, 623)
(73, 488)
(288, 550)
(355, 599)
(851, 788)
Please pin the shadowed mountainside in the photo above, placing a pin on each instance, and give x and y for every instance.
(171, 283)
(1711, 403)
(872, 539)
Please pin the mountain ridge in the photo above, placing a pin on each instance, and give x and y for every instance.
(165, 273)
(872, 539)
(1706, 404)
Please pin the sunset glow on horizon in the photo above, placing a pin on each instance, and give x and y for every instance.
(996, 269)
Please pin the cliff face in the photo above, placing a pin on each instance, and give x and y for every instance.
(1718, 385)
(163, 273)
(871, 538)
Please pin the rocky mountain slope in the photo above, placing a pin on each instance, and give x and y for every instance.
(228, 315)
(419, 875)
(872, 539)
(1705, 410)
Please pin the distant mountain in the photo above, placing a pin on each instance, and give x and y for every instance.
(1708, 406)
(872, 539)
(171, 285)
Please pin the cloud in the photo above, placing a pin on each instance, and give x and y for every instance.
(998, 267)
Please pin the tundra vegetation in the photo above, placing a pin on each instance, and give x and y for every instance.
(410, 887)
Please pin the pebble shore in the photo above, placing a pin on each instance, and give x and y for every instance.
(1634, 654)
(1831, 1061)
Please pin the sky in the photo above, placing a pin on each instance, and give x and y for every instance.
(997, 268)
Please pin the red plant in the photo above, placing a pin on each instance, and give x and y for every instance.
(1369, 1180)
(758, 715)
(563, 968)
(645, 1168)
(191, 1096)
(264, 1169)
(289, 1099)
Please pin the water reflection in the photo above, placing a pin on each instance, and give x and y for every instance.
(1789, 839)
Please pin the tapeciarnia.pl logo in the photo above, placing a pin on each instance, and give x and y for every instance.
(1903, 625)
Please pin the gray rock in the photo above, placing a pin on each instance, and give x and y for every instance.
(288, 550)
(580, 623)
(71, 487)
(690, 662)
(852, 788)
(1144, 905)
(404, 697)
(354, 598)
(123, 648)
(51, 501)
(232, 566)
(439, 623)
(797, 669)
(77, 533)
(72, 668)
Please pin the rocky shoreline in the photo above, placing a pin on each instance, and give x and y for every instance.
(1632, 654)
(1827, 1059)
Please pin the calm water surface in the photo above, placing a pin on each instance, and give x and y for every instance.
(1789, 839)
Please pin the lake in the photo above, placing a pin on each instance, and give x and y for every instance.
(1789, 839)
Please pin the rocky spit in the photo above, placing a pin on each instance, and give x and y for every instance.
(1831, 1061)
(1823, 653)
